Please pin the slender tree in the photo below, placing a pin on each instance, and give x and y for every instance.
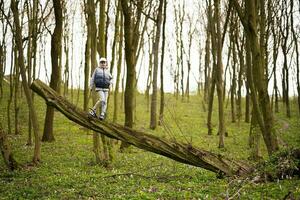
(19, 44)
(276, 41)
(219, 71)
(296, 41)
(56, 47)
(285, 31)
(257, 82)
(212, 81)
(119, 40)
(153, 116)
(191, 33)
(66, 40)
(132, 18)
(101, 27)
(240, 48)
(162, 93)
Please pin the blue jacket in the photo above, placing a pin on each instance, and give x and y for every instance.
(101, 78)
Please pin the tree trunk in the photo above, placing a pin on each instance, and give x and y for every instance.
(116, 38)
(18, 40)
(184, 153)
(219, 71)
(254, 138)
(2, 58)
(149, 77)
(66, 48)
(101, 27)
(29, 57)
(131, 38)
(240, 78)
(212, 81)
(233, 84)
(93, 52)
(285, 30)
(207, 62)
(262, 107)
(14, 65)
(162, 93)
(48, 135)
(190, 40)
(295, 40)
(17, 94)
(153, 116)
(275, 55)
(120, 57)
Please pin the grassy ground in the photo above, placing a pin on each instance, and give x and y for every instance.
(68, 171)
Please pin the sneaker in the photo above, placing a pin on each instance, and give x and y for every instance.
(93, 112)
(102, 116)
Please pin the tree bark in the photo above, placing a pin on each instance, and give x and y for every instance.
(276, 39)
(219, 71)
(210, 82)
(18, 40)
(162, 93)
(48, 135)
(296, 40)
(254, 138)
(119, 63)
(233, 83)
(240, 48)
(131, 37)
(153, 116)
(257, 82)
(101, 27)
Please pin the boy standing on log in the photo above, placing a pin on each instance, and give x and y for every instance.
(101, 79)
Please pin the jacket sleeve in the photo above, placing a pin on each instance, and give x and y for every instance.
(92, 79)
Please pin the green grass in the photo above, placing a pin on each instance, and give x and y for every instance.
(67, 170)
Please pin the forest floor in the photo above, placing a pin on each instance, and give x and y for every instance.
(68, 169)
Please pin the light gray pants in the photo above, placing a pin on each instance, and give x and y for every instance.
(103, 95)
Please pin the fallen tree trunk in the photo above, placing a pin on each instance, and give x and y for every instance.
(184, 153)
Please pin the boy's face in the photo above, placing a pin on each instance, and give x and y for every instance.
(102, 64)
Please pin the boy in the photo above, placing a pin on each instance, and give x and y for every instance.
(102, 80)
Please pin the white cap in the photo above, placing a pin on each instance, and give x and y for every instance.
(102, 59)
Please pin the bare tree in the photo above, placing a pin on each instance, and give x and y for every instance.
(219, 70)
(296, 41)
(162, 94)
(284, 31)
(256, 75)
(18, 40)
(119, 40)
(132, 18)
(153, 116)
(56, 47)
(191, 34)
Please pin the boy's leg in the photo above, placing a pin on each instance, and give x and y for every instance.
(103, 96)
(94, 109)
